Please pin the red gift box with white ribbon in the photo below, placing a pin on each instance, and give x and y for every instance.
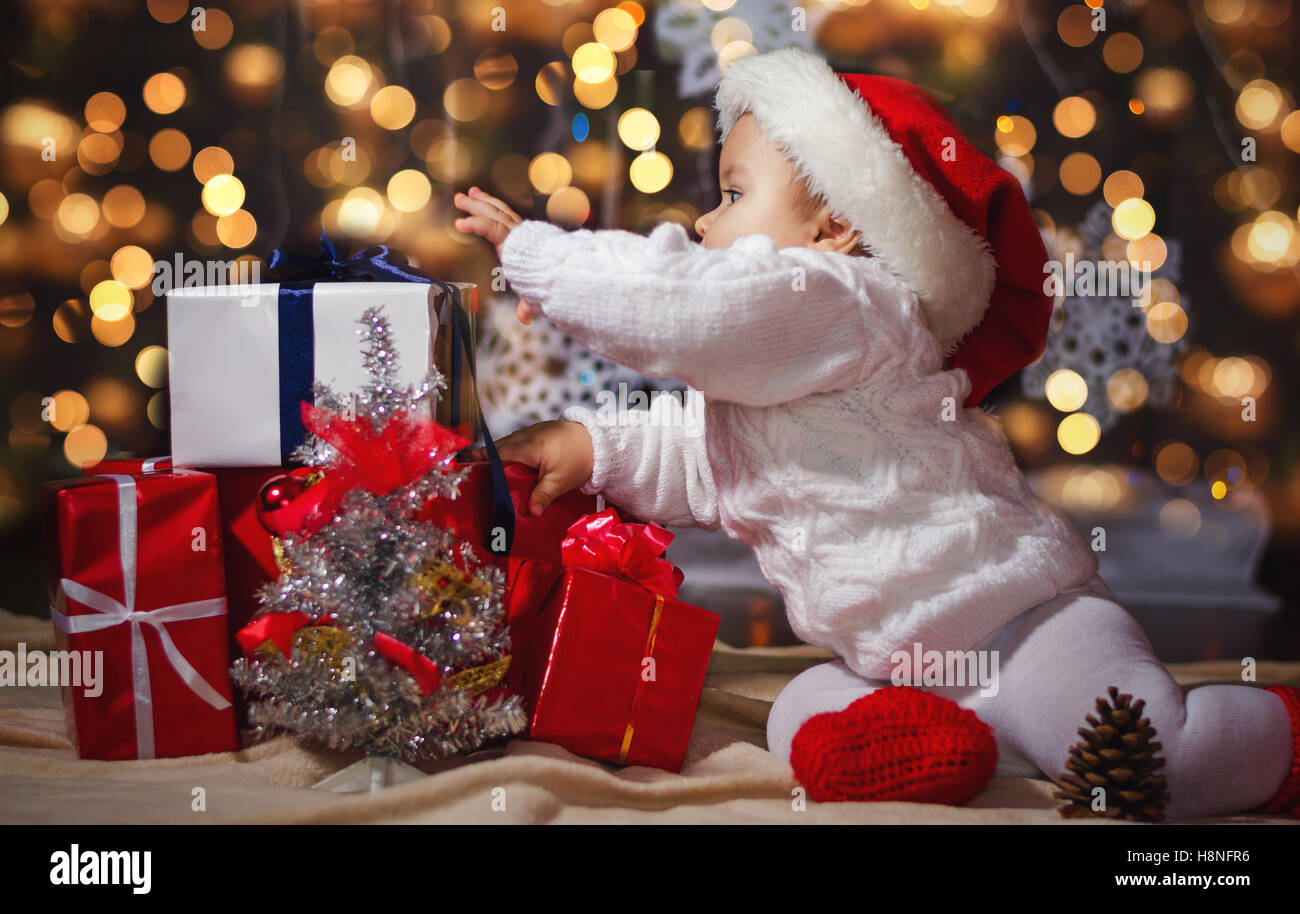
(135, 571)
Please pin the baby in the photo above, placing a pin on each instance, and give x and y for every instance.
(860, 239)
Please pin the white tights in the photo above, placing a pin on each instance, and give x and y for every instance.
(1227, 748)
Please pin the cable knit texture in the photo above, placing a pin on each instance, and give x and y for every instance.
(1287, 798)
(901, 744)
(829, 436)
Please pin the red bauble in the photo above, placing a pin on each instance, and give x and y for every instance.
(296, 503)
(279, 492)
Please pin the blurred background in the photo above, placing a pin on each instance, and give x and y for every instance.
(1162, 132)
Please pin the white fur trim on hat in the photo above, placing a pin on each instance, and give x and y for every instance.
(848, 158)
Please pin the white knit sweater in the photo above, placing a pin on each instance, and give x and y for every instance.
(823, 444)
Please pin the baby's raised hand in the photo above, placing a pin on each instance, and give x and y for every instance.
(491, 219)
(562, 451)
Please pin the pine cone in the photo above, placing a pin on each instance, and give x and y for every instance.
(1118, 755)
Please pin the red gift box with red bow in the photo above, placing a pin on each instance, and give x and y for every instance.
(609, 662)
(135, 572)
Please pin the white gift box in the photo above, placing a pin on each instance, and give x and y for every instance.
(226, 373)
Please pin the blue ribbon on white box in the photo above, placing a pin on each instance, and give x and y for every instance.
(297, 275)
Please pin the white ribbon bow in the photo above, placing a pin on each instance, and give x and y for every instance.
(115, 613)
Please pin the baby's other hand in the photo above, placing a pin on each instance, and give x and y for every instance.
(489, 217)
(493, 220)
(560, 449)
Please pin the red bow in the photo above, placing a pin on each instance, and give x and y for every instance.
(278, 628)
(409, 445)
(426, 672)
(602, 542)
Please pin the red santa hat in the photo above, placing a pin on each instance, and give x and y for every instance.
(941, 215)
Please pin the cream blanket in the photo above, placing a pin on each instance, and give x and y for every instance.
(729, 776)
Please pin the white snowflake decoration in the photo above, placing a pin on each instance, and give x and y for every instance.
(1096, 335)
(684, 31)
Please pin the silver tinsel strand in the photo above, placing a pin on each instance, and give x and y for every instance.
(362, 567)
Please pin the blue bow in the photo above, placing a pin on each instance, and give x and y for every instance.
(378, 262)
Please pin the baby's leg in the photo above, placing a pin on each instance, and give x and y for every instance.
(1227, 748)
(833, 687)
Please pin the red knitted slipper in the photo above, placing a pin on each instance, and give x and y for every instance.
(897, 743)
(1287, 798)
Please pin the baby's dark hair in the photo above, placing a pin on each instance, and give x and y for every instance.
(807, 204)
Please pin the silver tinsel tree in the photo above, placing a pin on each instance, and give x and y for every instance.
(378, 569)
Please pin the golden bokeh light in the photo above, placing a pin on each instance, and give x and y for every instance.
(548, 172)
(593, 63)
(1133, 218)
(105, 112)
(85, 445)
(568, 206)
(733, 51)
(218, 29)
(238, 229)
(77, 214)
(211, 161)
(650, 172)
(595, 95)
(1066, 390)
(1074, 117)
(638, 129)
(466, 99)
(67, 410)
(1164, 90)
(110, 300)
(169, 149)
(1080, 173)
(1166, 322)
(16, 307)
(1180, 519)
(1122, 52)
(695, 128)
(409, 190)
(496, 69)
(1120, 186)
(112, 333)
(361, 211)
(1074, 26)
(123, 206)
(392, 107)
(615, 28)
(1176, 464)
(71, 320)
(550, 82)
(164, 93)
(132, 266)
(1259, 104)
(348, 81)
(1078, 433)
(151, 366)
(223, 195)
(439, 33)
(1015, 135)
(1126, 389)
(1149, 250)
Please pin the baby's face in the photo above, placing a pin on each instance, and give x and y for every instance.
(757, 183)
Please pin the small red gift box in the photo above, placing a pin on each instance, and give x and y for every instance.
(249, 551)
(135, 572)
(610, 664)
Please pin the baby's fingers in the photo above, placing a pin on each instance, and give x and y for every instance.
(511, 217)
(487, 227)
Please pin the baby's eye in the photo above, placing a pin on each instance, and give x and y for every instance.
(732, 191)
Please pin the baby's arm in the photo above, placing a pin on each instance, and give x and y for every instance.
(747, 324)
(658, 471)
